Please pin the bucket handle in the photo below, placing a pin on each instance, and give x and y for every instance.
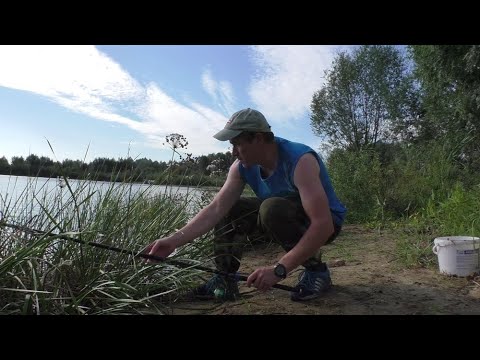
(437, 246)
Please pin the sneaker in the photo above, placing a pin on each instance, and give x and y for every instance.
(312, 284)
(218, 288)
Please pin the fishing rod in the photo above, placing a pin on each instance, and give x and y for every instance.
(234, 276)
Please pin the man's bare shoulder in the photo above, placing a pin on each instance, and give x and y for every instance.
(308, 161)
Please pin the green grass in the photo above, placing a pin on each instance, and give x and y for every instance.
(48, 275)
(340, 249)
(415, 251)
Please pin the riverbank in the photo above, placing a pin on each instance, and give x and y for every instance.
(368, 280)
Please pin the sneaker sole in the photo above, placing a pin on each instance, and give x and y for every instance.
(306, 298)
(294, 297)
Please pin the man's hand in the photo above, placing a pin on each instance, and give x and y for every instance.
(263, 278)
(160, 247)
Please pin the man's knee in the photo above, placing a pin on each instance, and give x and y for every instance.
(273, 210)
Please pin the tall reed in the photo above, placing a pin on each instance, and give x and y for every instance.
(48, 275)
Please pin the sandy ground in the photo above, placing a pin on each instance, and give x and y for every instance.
(367, 278)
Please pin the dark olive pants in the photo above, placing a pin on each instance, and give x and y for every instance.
(279, 220)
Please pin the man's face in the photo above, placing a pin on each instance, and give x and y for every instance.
(244, 150)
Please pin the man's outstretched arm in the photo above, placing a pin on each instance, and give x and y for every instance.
(206, 218)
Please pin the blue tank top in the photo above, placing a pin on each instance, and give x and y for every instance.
(281, 184)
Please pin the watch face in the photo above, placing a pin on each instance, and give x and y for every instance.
(280, 271)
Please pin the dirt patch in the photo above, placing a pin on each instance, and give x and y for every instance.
(367, 278)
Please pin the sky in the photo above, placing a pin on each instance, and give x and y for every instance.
(122, 100)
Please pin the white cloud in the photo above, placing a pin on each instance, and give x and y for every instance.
(227, 97)
(85, 80)
(163, 115)
(287, 77)
(80, 73)
(221, 92)
(80, 78)
(209, 84)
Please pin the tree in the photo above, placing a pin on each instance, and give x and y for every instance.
(4, 166)
(202, 164)
(73, 168)
(367, 97)
(34, 164)
(450, 80)
(19, 166)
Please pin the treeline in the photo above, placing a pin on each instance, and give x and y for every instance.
(206, 170)
(402, 130)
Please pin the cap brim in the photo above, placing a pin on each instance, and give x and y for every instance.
(226, 134)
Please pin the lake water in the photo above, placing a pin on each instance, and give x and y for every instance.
(20, 193)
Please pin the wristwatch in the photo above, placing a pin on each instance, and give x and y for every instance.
(280, 270)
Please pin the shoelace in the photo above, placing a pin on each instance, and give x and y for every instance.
(308, 280)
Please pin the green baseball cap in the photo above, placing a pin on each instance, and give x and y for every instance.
(243, 120)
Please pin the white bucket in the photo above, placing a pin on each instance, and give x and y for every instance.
(457, 255)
